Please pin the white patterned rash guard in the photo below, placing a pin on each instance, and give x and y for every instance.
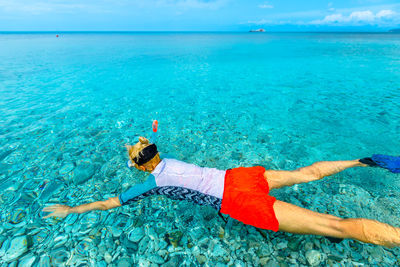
(182, 181)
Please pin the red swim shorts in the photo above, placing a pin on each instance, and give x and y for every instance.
(246, 198)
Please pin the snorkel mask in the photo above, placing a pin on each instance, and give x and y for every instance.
(144, 156)
(148, 152)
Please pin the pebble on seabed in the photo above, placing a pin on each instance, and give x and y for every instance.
(27, 260)
(18, 247)
(314, 257)
(136, 234)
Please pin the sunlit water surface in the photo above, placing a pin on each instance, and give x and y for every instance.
(69, 104)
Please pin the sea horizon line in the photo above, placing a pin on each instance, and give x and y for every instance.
(185, 31)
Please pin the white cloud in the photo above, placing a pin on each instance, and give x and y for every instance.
(357, 18)
(333, 18)
(385, 14)
(266, 5)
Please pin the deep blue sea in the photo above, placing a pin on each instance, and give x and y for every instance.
(68, 105)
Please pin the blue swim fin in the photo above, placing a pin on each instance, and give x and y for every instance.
(390, 163)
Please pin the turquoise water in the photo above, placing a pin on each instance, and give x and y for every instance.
(69, 104)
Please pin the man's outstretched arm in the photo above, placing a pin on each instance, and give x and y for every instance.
(63, 210)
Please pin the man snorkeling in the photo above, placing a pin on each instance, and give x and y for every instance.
(243, 193)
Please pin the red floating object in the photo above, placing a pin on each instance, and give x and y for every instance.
(155, 126)
(56, 35)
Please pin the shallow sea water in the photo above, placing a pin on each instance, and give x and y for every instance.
(69, 104)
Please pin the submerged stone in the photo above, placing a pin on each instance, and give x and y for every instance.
(83, 247)
(4, 247)
(156, 259)
(60, 240)
(136, 234)
(83, 172)
(107, 257)
(294, 244)
(16, 218)
(59, 256)
(142, 247)
(44, 261)
(9, 197)
(18, 247)
(66, 168)
(218, 251)
(175, 237)
(201, 258)
(50, 190)
(27, 260)
(314, 257)
(124, 262)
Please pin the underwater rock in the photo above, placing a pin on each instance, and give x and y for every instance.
(218, 251)
(66, 168)
(82, 173)
(377, 253)
(314, 257)
(282, 245)
(201, 258)
(60, 240)
(5, 245)
(124, 262)
(16, 218)
(107, 257)
(27, 260)
(143, 262)
(115, 231)
(51, 189)
(143, 245)
(156, 259)
(160, 230)
(40, 237)
(90, 219)
(136, 234)
(175, 237)
(162, 244)
(152, 233)
(59, 257)
(18, 247)
(264, 261)
(44, 261)
(2, 238)
(197, 232)
(173, 262)
(9, 197)
(111, 167)
(294, 243)
(264, 251)
(71, 219)
(100, 263)
(272, 263)
(83, 247)
(5, 169)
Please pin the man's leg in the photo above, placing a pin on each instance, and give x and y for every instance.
(297, 220)
(316, 171)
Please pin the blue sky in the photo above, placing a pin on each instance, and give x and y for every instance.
(199, 15)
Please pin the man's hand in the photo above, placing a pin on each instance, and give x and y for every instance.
(57, 211)
(63, 210)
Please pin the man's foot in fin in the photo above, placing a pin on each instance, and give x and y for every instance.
(369, 162)
(390, 163)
